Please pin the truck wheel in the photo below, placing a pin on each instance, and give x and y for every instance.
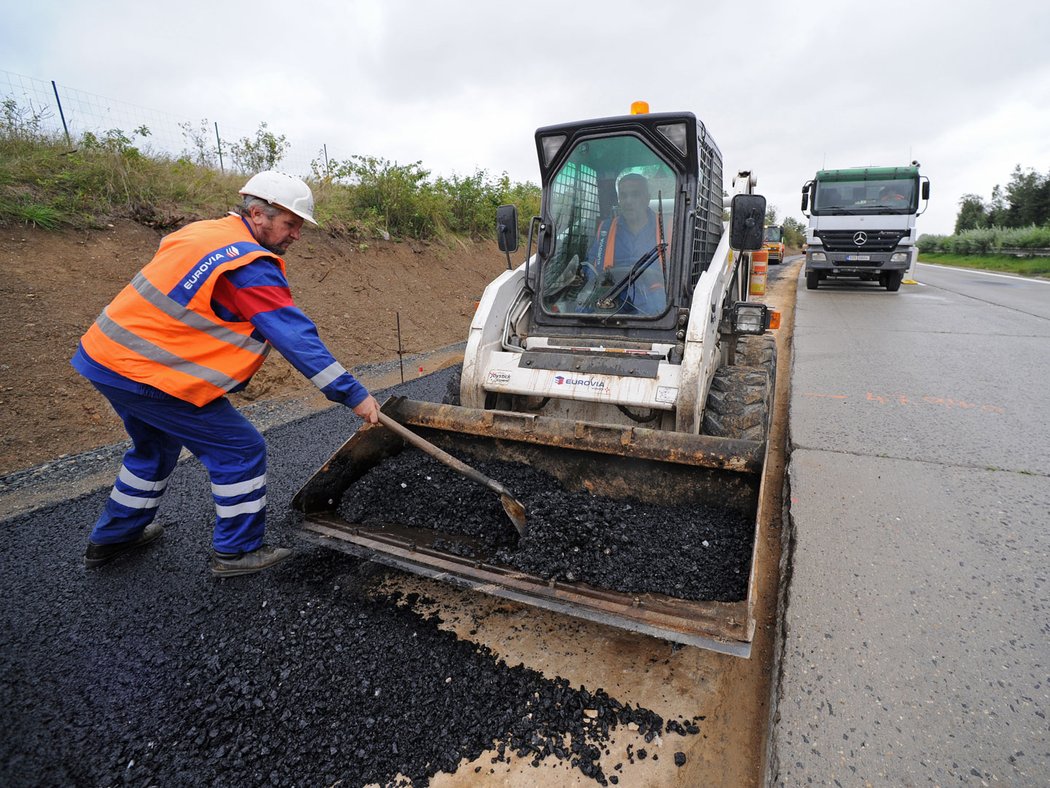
(739, 403)
(893, 280)
(812, 280)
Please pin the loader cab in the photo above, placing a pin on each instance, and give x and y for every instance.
(622, 202)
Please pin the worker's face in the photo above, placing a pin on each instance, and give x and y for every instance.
(277, 232)
(634, 201)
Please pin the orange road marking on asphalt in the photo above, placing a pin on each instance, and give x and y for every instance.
(904, 399)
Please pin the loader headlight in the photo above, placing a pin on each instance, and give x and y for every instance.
(749, 318)
(818, 257)
(899, 257)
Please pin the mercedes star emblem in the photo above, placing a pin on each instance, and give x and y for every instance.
(860, 238)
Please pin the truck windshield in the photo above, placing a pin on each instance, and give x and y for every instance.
(773, 235)
(612, 207)
(865, 196)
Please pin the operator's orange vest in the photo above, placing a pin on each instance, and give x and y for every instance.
(607, 247)
(161, 329)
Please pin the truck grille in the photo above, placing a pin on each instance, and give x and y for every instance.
(875, 240)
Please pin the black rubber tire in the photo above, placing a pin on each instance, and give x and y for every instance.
(893, 280)
(452, 390)
(740, 400)
(756, 350)
(812, 280)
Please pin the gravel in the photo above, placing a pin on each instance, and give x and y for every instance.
(150, 672)
(695, 552)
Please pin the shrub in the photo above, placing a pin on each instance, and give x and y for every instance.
(1030, 237)
(262, 153)
(930, 243)
(987, 240)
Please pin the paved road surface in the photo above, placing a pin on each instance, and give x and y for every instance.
(917, 630)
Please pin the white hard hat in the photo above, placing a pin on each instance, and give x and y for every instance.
(283, 190)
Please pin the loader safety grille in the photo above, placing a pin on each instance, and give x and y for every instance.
(707, 229)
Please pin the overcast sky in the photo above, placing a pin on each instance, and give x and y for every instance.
(785, 88)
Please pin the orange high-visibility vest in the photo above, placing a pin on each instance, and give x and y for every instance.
(161, 329)
(607, 248)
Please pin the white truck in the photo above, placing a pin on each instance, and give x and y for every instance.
(862, 223)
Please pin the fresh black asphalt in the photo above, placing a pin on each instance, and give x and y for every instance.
(151, 672)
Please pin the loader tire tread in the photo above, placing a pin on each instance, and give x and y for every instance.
(452, 390)
(757, 351)
(740, 400)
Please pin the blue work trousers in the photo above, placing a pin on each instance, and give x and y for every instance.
(226, 443)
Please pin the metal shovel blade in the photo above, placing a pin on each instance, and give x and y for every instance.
(515, 511)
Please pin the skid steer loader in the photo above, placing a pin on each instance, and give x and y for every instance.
(622, 357)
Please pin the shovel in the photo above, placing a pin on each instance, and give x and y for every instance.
(511, 505)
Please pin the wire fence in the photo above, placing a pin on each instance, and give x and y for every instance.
(71, 113)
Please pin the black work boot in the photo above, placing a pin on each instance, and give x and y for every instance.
(99, 554)
(233, 564)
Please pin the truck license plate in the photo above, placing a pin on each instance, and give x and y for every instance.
(858, 257)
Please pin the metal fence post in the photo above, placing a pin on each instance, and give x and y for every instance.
(218, 145)
(61, 114)
(400, 354)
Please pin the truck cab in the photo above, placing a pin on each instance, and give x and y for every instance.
(862, 223)
(628, 223)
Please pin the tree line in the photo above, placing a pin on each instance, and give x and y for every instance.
(1014, 222)
(1023, 202)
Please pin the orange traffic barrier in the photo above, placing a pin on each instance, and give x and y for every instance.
(759, 264)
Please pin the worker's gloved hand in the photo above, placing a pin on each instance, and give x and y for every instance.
(368, 409)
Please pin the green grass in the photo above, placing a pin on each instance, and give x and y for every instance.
(44, 183)
(44, 216)
(1023, 266)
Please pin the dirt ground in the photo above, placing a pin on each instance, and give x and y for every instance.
(56, 283)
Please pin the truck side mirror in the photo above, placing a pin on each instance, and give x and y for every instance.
(805, 200)
(746, 220)
(507, 228)
(925, 190)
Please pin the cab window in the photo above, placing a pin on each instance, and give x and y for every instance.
(612, 207)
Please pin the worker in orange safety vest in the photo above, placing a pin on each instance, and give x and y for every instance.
(194, 324)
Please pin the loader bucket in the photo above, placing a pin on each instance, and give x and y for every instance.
(614, 462)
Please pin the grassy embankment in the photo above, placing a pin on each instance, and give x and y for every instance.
(1022, 266)
(45, 183)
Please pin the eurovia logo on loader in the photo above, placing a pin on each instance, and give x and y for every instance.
(561, 380)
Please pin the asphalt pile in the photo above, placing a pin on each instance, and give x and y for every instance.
(150, 672)
(688, 552)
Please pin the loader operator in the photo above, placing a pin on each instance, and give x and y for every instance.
(631, 235)
(195, 323)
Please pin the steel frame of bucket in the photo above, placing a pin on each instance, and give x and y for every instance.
(726, 627)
